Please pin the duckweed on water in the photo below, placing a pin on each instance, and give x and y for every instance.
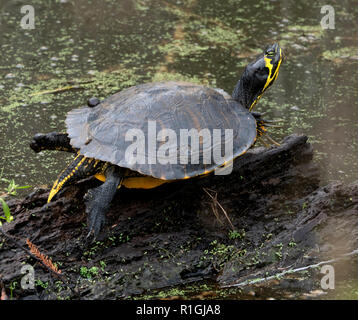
(196, 40)
(341, 54)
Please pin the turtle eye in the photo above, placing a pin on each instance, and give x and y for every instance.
(270, 53)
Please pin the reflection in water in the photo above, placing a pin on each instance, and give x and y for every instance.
(101, 47)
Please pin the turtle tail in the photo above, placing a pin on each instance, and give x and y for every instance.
(81, 167)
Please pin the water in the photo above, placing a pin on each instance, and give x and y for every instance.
(100, 47)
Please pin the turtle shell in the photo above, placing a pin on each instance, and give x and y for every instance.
(100, 132)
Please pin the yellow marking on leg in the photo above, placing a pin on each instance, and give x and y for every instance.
(57, 186)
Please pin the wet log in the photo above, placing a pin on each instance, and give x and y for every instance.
(180, 232)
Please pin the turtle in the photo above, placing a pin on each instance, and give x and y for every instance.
(114, 140)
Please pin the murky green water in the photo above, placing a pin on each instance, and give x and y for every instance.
(99, 47)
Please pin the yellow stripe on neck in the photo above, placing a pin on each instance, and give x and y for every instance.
(271, 77)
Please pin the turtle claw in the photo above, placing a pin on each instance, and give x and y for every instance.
(272, 140)
(96, 214)
(272, 121)
(98, 200)
(272, 126)
(262, 124)
(96, 220)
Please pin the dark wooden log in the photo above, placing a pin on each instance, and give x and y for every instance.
(176, 233)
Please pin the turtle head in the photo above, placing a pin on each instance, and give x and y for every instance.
(258, 76)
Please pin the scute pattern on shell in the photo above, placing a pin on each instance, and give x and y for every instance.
(99, 132)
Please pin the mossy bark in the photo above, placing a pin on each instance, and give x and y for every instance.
(176, 233)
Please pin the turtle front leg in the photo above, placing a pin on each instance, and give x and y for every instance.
(98, 200)
(263, 124)
(51, 141)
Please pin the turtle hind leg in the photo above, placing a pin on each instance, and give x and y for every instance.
(98, 200)
(51, 141)
(81, 167)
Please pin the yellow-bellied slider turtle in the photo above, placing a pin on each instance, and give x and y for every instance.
(116, 140)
